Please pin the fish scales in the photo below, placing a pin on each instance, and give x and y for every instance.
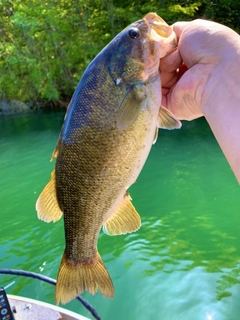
(106, 156)
(97, 176)
(108, 131)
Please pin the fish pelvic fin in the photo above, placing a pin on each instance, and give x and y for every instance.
(47, 205)
(124, 220)
(167, 120)
(75, 278)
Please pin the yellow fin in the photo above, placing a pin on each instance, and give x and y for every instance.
(56, 151)
(47, 205)
(75, 278)
(167, 120)
(130, 108)
(155, 136)
(124, 220)
(54, 154)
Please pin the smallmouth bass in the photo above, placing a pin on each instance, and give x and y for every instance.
(109, 128)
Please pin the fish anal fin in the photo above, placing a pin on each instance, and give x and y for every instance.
(124, 220)
(130, 107)
(47, 205)
(167, 120)
(75, 278)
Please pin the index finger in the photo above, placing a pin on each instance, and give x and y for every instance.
(178, 27)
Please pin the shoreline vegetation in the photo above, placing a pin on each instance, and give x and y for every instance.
(46, 46)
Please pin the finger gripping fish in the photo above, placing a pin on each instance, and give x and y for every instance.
(109, 128)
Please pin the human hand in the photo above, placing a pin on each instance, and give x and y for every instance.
(201, 77)
(194, 74)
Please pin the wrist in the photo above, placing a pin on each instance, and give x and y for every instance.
(222, 89)
(221, 108)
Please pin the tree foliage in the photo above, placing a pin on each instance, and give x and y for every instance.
(46, 45)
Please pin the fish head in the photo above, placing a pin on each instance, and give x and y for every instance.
(138, 48)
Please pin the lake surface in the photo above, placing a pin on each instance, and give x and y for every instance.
(184, 262)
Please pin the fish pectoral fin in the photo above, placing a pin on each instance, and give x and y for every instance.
(167, 120)
(74, 278)
(47, 205)
(124, 220)
(130, 107)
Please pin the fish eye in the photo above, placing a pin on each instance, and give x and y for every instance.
(134, 33)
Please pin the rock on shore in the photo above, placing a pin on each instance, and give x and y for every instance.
(12, 107)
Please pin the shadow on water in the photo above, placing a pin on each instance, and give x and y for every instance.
(27, 123)
(183, 263)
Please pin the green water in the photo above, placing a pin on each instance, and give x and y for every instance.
(184, 262)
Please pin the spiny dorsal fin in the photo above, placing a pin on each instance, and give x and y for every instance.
(75, 278)
(130, 108)
(54, 154)
(124, 220)
(167, 120)
(47, 205)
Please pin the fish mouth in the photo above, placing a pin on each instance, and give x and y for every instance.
(161, 32)
(153, 18)
(159, 29)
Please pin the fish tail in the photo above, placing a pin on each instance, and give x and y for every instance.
(75, 278)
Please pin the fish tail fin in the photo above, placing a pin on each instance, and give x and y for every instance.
(75, 278)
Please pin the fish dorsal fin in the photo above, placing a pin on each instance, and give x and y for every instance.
(55, 153)
(130, 107)
(47, 205)
(167, 120)
(124, 220)
(56, 150)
